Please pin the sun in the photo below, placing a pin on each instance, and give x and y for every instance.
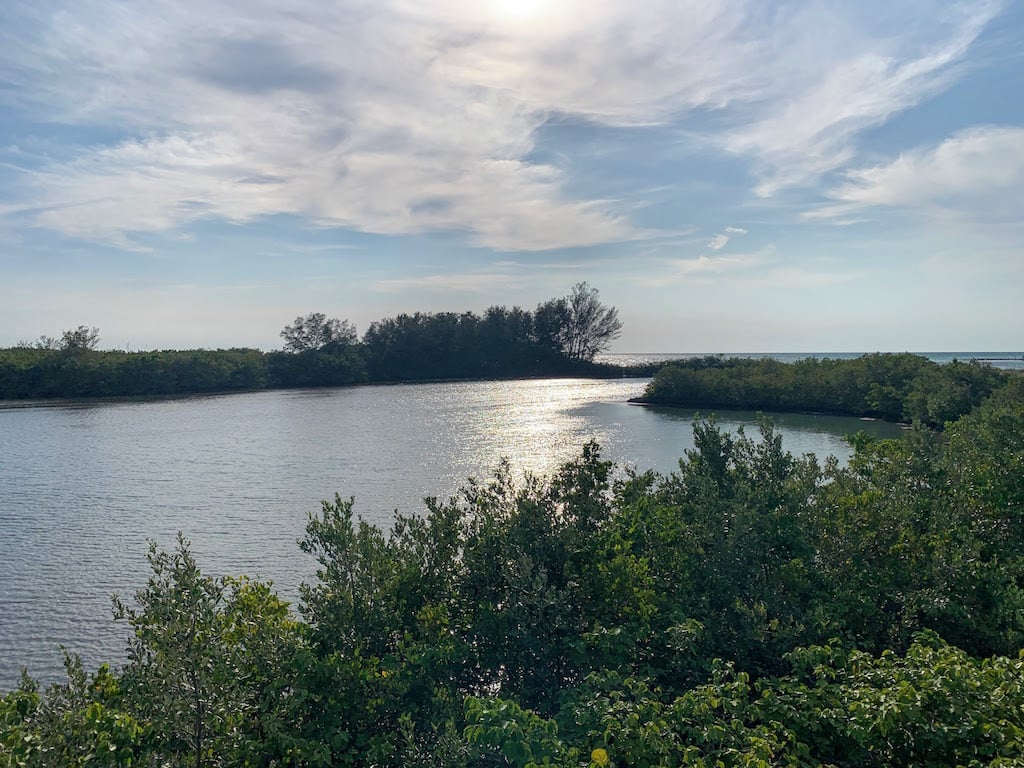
(519, 11)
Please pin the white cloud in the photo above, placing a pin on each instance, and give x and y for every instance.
(847, 78)
(720, 240)
(976, 175)
(712, 265)
(404, 117)
(701, 269)
(472, 282)
(350, 120)
(506, 274)
(764, 268)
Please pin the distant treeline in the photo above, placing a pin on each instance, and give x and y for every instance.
(895, 387)
(40, 373)
(560, 337)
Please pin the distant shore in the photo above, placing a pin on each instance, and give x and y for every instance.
(899, 388)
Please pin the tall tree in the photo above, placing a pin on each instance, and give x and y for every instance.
(316, 331)
(82, 337)
(579, 323)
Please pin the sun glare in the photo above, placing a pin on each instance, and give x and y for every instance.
(519, 11)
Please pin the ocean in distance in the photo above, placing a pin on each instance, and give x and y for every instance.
(83, 486)
(1007, 361)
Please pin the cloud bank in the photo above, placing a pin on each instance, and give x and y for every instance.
(976, 174)
(398, 117)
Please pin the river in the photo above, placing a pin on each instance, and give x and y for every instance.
(83, 487)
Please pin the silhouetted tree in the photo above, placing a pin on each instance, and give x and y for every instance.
(592, 325)
(81, 337)
(316, 331)
(578, 325)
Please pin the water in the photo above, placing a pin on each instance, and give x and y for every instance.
(1007, 361)
(82, 487)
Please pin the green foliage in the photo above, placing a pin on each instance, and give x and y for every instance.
(210, 665)
(601, 605)
(41, 373)
(502, 732)
(75, 724)
(386, 663)
(325, 352)
(715, 723)
(923, 533)
(578, 325)
(316, 331)
(431, 346)
(80, 338)
(752, 608)
(329, 367)
(897, 387)
(932, 706)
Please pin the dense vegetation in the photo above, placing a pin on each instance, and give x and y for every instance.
(560, 337)
(902, 387)
(753, 608)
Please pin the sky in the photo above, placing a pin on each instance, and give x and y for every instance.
(732, 175)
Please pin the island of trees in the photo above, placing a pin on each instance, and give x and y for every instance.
(560, 337)
(753, 608)
(894, 387)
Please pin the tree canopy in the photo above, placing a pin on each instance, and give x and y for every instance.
(897, 387)
(82, 337)
(751, 608)
(560, 338)
(579, 325)
(317, 331)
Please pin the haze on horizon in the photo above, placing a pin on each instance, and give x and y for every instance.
(734, 176)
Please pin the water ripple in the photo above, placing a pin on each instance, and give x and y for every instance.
(82, 488)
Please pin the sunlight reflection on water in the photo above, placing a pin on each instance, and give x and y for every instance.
(83, 487)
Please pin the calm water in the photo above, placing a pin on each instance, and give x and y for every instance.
(1006, 361)
(83, 487)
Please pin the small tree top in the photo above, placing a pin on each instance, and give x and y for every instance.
(316, 331)
(82, 337)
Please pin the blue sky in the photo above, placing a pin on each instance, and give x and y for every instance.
(733, 176)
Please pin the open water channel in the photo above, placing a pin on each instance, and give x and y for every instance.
(83, 487)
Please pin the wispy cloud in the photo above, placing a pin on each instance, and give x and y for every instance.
(705, 268)
(853, 78)
(403, 118)
(720, 240)
(713, 265)
(472, 282)
(976, 175)
(753, 270)
(503, 275)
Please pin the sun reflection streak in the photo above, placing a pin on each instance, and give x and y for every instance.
(537, 429)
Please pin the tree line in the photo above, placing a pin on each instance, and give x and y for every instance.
(561, 337)
(751, 608)
(895, 387)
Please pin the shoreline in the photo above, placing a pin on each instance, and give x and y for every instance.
(711, 411)
(66, 402)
